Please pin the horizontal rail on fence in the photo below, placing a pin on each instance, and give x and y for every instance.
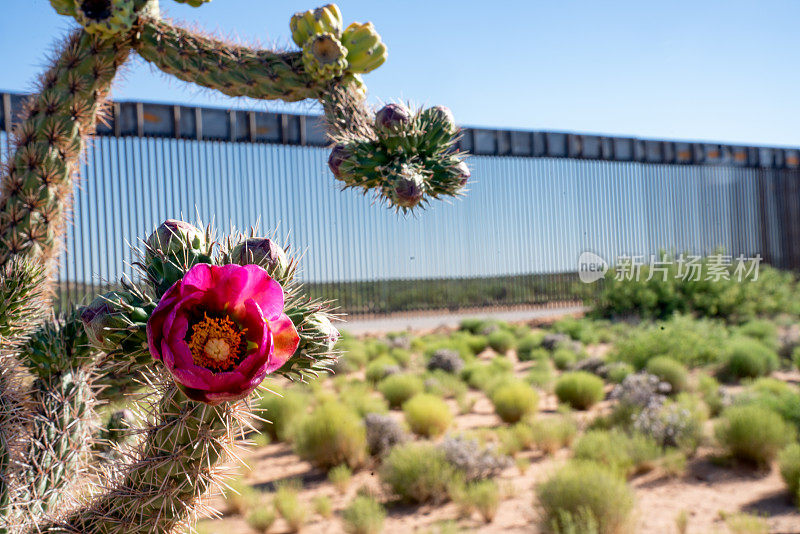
(139, 119)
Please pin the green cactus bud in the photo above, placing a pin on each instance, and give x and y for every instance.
(105, 17)
(324, 57)
(264, 252)
(340, 155)
(64, 7)
(173, 248)
(173, 237)
(365, 50)
(105, 321)
(438, 125)
(406, 187)
(318, 334)
(306, 24)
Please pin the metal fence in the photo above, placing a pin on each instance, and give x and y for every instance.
(538, 200)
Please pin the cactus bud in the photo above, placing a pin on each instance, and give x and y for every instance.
(407, 188)
(463, 173)
(104, 321)
(324, 57)
(322, 335)
(439, 125)
(365, 51)
(173, 238)
(306, 24)
(263, 252)
(392, 117)
(105, 17)
(339, 155)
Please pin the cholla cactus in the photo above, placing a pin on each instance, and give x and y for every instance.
(210, 319)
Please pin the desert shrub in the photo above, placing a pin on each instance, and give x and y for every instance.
(383, 433)
(364, 515)
(359, 397)
(281, 410)
(485, 376)
(514, 400)
(501, 341)
(564, 358)
(689, 341)
(796, 357)
(709, 389)
(340, 476)
(476, 343)
(550, 435)
(240, 498)
(775, 395)
(528, 345)
(401, 356)
(376, 348)
(260, 518)
(446, 360)
(742, 523)
(330, 436)
(288, 505)
(482, 496)
(472, 325)
(397, 389)
(672, 423)
(582, 329)
(586, 488)
(540, 375)
(380, 368)
(789, 464)
(753, 434)
(579, 389)
(618, 371)
(669, 371)
(354, 355)
(427, 415)
(418, 472)
(621, 452)
(444, 384)
(761, 330)
(748, 358)
(471, 460)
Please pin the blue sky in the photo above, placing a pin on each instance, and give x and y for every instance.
(720, 71)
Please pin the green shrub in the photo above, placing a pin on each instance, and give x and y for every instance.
(528, 345)
(340, 476)
(354, 355)
(796, 357)
(582, 329)
(753, 434)
(564, 358)
(579, 389)
(261, 519)
(482, 496)
(669, 371)
(789, 464)
(397, 389)
(380, 368)
(330, 436)
(240, 498)
(623, 453)
(775, 395)
(418, 472)
(540, 375)
(288, 505)
(761, 330)
(689, 341)
(586, 488)
(742, 523)
(514, 400)
(472, 325)
(501, 341)
(282, 410)
(617, 371)
(359, 397)
(709, 389)
(427, 415)
(323, 506)
(554, 433)
(485, 376)
(749, 358)
(444, 384)
(364, 515)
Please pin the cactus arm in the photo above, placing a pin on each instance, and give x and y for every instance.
(36, 185)
(175, 466)
(231, 69)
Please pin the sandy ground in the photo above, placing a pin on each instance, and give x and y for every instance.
(707, 491)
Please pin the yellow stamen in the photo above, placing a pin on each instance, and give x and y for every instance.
(215, 343)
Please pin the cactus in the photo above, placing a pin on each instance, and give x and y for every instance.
(211, 318)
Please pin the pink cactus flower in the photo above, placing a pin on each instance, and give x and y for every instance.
(220, 330)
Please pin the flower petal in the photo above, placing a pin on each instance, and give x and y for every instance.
(285, 340)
